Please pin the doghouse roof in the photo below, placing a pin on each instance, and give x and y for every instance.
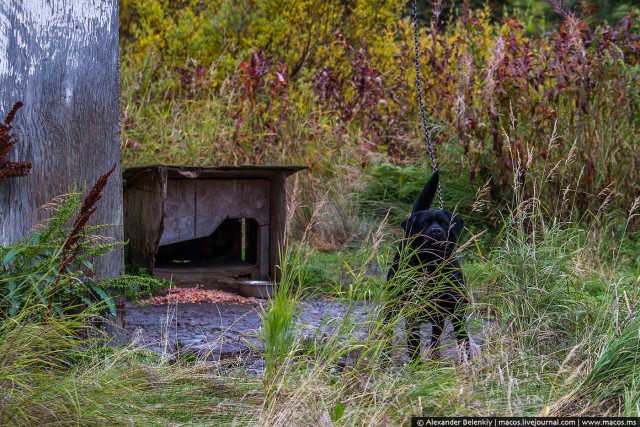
(192, 172)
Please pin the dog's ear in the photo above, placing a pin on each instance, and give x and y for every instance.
(424, 200)
(457, 225)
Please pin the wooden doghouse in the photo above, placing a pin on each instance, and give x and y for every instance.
(205, 225)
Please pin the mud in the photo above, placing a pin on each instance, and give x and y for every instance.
(229, 331)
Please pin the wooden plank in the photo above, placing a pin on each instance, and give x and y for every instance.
(263, 253)
(61, 59)
(237, 198)
(204, 275)
(180, 211)
(278, 211)
(143, 216)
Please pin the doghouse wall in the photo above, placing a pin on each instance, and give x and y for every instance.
(195, 208)
(143, 216)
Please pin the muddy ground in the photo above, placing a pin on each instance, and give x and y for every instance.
(227, 331)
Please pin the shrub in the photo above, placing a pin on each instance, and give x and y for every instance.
(204, 85)
(50, 269)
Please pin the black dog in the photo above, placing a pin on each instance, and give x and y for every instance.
(425, 276)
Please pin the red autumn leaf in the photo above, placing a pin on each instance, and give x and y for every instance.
(199, 295)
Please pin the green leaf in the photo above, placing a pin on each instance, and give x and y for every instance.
(41, 295)
(9, 256)
(338, 412)
(88, 264)
(13, 298)
(36, 238)
(106, 298)
(12, 286)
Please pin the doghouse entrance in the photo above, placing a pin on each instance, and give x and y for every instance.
(232, 249)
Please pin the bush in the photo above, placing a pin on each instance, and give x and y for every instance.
(203, 85)
(49, 271)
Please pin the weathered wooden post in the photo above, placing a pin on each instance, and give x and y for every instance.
(60, 58)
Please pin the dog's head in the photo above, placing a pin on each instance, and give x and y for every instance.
(432, 231)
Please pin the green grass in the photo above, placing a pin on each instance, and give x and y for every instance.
(54, 375)
(554, 299)
(556, 310)
(555, 303)
(554, 282)
(617, 370)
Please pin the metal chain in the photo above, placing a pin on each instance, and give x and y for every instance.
(423, 113)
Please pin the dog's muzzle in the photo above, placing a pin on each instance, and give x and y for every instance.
(434, 236)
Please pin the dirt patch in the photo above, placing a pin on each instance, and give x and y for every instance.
(226, 327)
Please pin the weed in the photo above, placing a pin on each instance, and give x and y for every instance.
(7, 141)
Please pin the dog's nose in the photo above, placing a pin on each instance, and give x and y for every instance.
(436, 232)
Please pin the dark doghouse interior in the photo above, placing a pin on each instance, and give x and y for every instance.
(234, 242)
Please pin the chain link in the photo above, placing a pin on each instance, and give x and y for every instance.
(423, 113)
